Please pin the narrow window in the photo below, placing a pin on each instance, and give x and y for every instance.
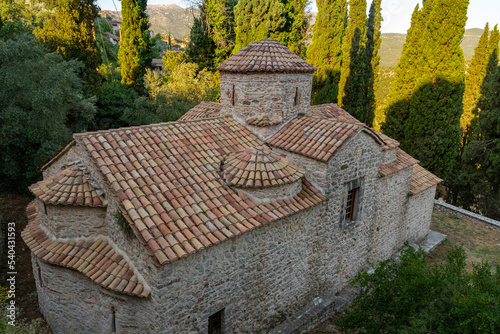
(296, 98)
(352, 203)
(39, 272)
(215, 323)
(115, 328)
(232, 96)
(349, 208)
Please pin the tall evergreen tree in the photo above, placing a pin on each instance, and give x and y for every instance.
(373, 41)
(353, 82)
(68, 29)
(212, 34)
(432, 129)
(325, 51)
(136, 45)
(285, 21)
(407, 71)
(474, 78)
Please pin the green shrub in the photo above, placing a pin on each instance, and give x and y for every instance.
(411, 296)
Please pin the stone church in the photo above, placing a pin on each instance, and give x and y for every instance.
(229, 220)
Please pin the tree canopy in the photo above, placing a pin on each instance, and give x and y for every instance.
(41, 103)
(136, 45)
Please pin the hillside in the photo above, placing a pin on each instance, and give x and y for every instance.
(392, 45)
(164, 18)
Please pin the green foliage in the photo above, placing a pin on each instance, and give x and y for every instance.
(476, 183)
(212, 34)
(476, 73)
(354, 82)
(426, 96)
(325, 51)
(285, 21)
(68, 29)
(122, 222)
(36, 326)
(373, 41)
(113, 101)
(411, 296)
(407, 72)
(136, 45)
(184, 88)
(41, 95)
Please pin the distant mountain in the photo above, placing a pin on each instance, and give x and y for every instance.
(164, 19)
(392, 45)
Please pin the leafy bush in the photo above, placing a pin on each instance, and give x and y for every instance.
(411, 296)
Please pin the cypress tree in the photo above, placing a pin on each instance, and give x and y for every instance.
(373, 41)
(284, 21)
(68, 29)
(325, 51)
(136, 45)
(432, 129)
(353, 82)
(212, 35)
(474, 79)
(407, 72)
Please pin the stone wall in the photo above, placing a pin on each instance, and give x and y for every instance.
(72, 154)
(472, 217)
(393, 192)
(419, 215)
(64, 221)
(270, 94)
(72, 303)
(259, 278)
(358, 159)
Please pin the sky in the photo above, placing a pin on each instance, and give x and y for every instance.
(396, 13)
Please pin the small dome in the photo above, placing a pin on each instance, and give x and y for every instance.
(259, 167)
(266, 55)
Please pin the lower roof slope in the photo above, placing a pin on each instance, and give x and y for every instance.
(167, 180)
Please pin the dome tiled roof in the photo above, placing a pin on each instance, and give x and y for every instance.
(69, 187)
(259, 167)
(266, 55)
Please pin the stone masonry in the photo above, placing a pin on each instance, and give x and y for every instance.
(229, 223)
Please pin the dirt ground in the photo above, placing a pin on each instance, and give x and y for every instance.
(12, 209)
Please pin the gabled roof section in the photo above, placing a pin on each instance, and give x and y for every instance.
(167, 181)
(201, 111)
(259, 167)
(68, 187)
(403, 160)
(422, 179)
(313, 137)
(95, 258)
(266, 55)
(58, 154)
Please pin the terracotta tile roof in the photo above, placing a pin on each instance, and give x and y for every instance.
(332, 110)
(262, 121)
(69, 187)
(422, 179)
(266, 55)
(389, 142)
(317, 138)
(166, 179)
(202, 110)
(97, 259)
(403, 160)
(259, 167)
